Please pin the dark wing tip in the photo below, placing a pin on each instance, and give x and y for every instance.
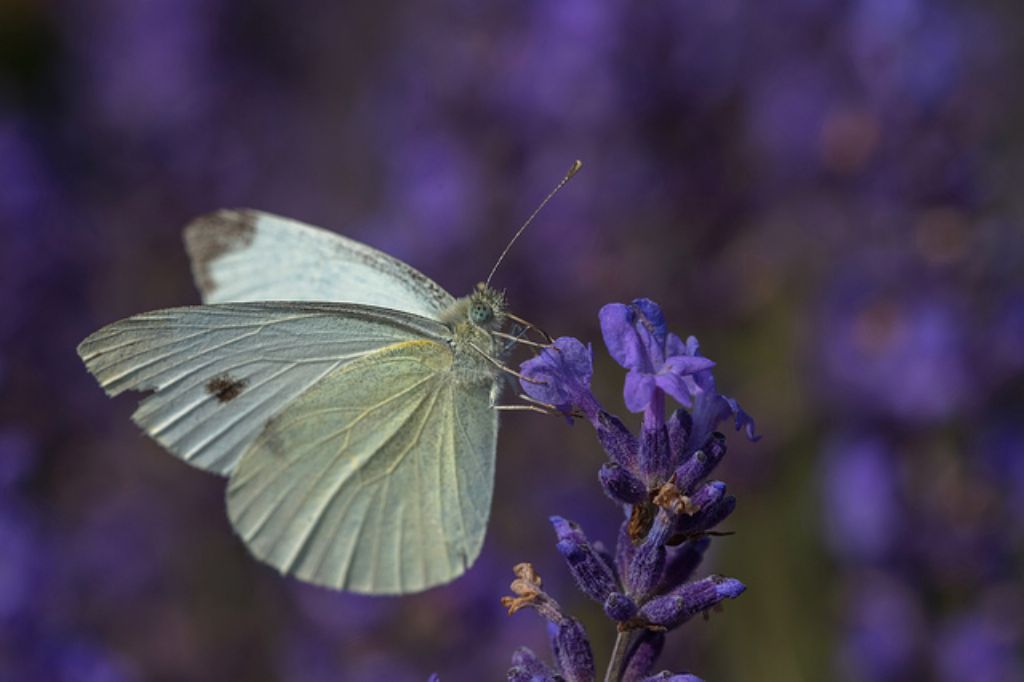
(210, 236)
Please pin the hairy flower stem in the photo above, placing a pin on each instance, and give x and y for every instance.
(622, 642)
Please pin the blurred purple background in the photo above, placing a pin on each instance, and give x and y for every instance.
(826, 192)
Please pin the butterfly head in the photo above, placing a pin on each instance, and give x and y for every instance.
(486, 307)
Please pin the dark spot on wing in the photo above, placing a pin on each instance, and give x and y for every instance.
(225, 388)
(209, 237)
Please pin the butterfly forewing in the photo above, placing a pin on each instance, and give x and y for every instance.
(247, 255)
(219, 373)
(378, 479)
(347, 396)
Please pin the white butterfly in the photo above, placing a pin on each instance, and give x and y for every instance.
(347, 397)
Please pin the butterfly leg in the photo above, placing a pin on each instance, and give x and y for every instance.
(522, 408)
(508, 370)
(513, 339)
(539, 407)
(530, 325)
(552, 409)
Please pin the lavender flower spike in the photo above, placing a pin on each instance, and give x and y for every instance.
(660, 481)
(638, 339)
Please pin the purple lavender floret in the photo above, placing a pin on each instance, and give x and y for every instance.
(711, 407)
(660, 478)
(638, 339)
(560, 376)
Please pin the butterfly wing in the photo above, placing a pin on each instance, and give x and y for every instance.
(219, 373)
(247, 255)
(376, 480)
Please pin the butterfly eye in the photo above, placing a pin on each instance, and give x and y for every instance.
(480, 313)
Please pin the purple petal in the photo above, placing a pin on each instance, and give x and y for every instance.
(743, 420)
(636, 335)
(619, 335)
(704, 380)
(565, 369)
(649, 327)
(675, 346)
(679, 387)
(638, 391)
(688, 364)
(651, 312)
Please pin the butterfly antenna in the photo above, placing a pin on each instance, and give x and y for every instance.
(573, 170)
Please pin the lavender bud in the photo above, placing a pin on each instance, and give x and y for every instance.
(679, 426)
(625, 550)
(526, 667)
(679, 605)
(720, 512)
(645, 571)
(606, 556)
(649, 561)
(691, 471)
(681, 561)
(619, 607)
(707, 518)
(644, 653)
(715, 446)
(621, 445)
(572, 651)
(622, 486)
(700, 464)
(593, 576)
(708, 494)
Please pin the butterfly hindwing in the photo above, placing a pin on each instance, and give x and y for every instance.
(219, 373)
(378, 479)
(248, 255)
